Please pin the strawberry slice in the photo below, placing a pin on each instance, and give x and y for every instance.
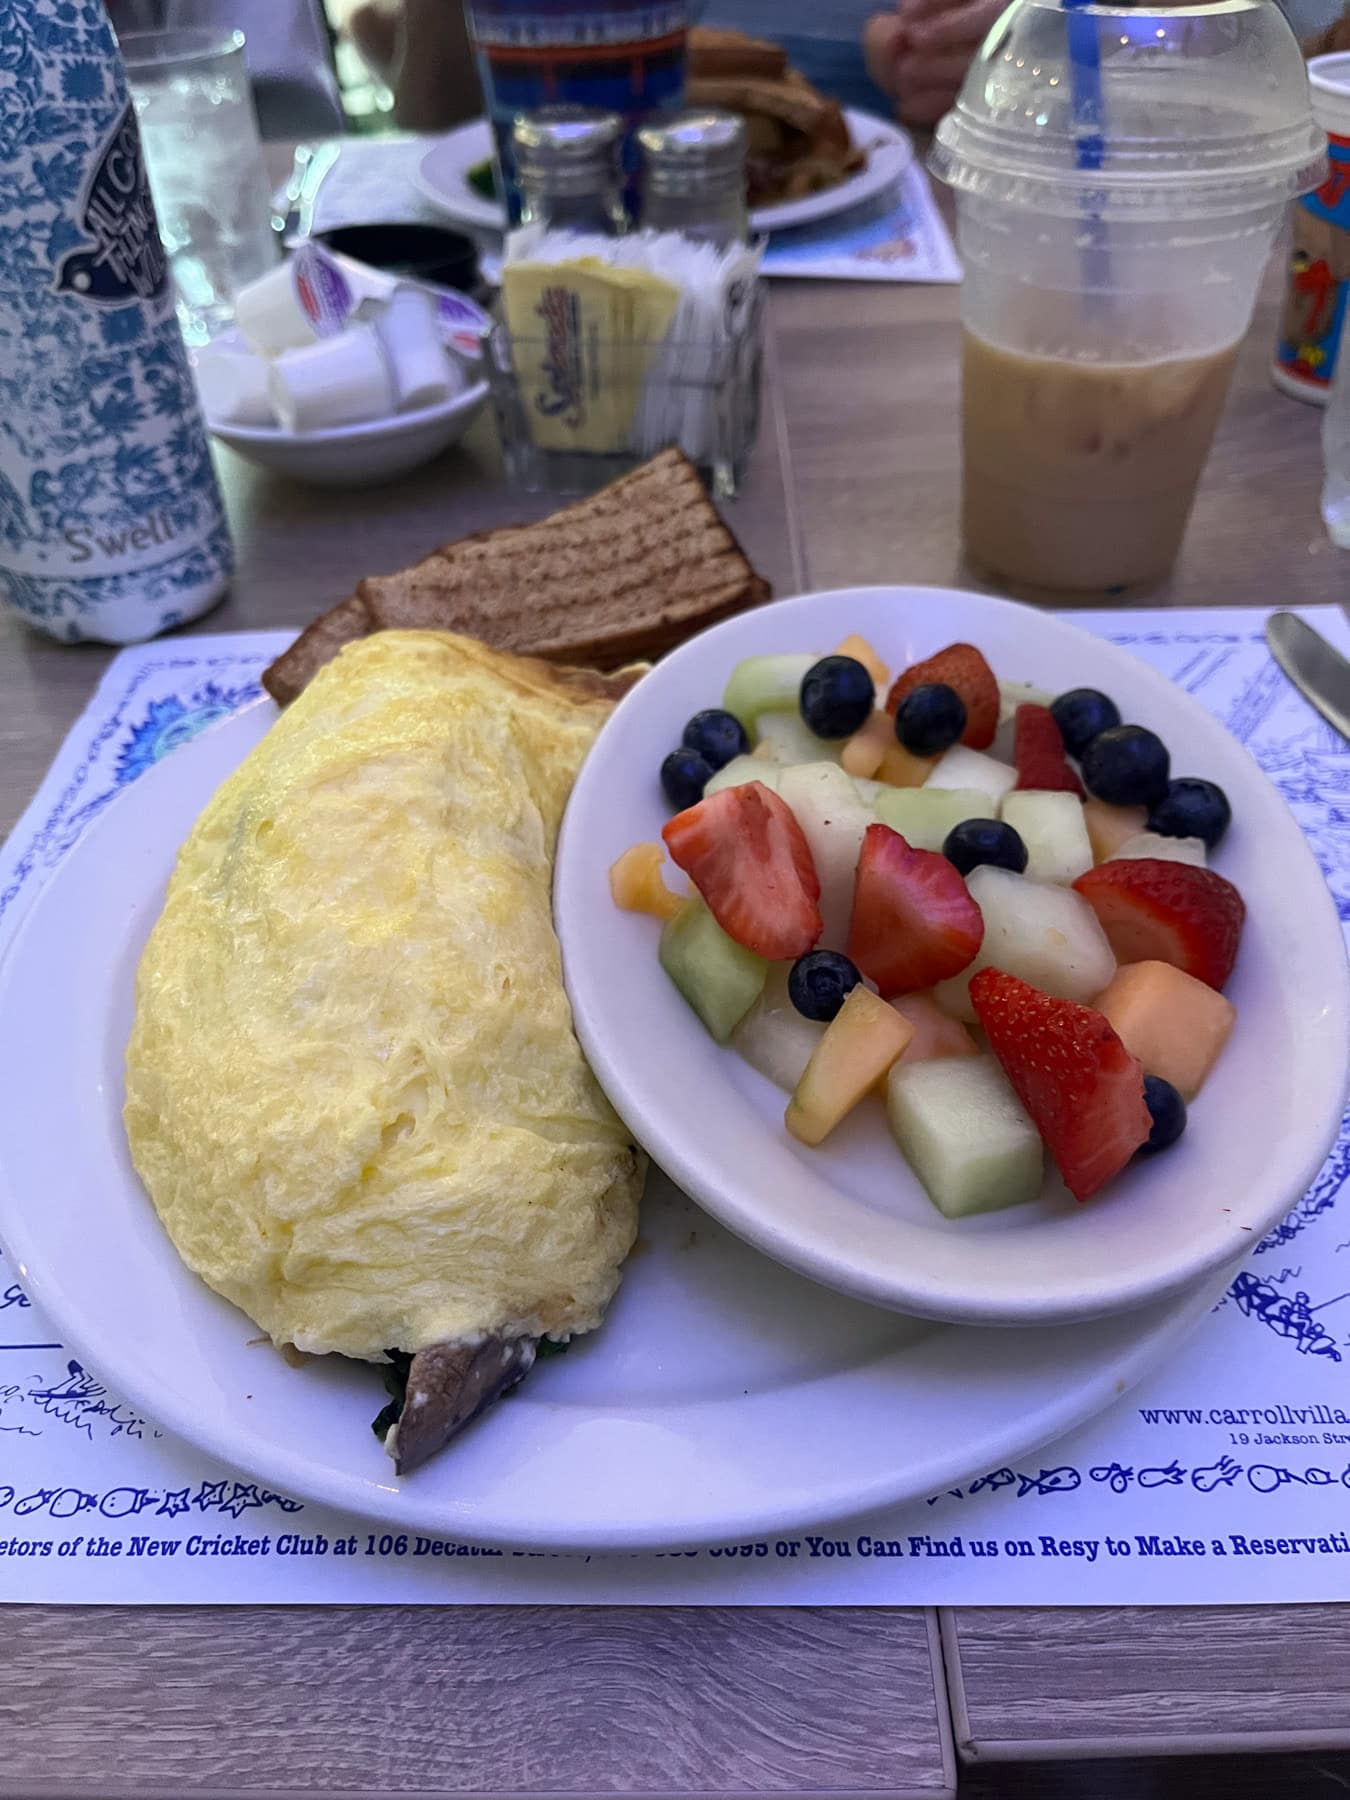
(1082, 1088)
(1038, 752)
(1157, 911)
(914, 922)
(745, 853)
(962, 667)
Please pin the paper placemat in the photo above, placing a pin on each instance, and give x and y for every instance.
(1226, 1478)
(898, 237)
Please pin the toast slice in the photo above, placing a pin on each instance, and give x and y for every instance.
(711, 51)
(316, 645)
(790, 102)
(616, 578)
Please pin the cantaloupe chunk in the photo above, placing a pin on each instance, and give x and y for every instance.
(901, 768)
(935, 1034)
(861, 651)
(1108, 827)
(865, 751)
(636, 882)
(860, 1043)
(1173, 1023)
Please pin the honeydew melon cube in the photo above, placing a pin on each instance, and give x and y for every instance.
(1051, 826)
(1167, 849)
(859, 1045)
(773, 1037)
(784, 738)
(923, 816)
(742, 769)
(964, 1134)
(760, 684)
(963, 768)
(833, 819)
(719, 978)
(1047, 935)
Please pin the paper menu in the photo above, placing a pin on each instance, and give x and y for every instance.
(1225, 1478)
(898, 237)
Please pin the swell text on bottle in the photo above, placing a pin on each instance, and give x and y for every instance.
(85, 543)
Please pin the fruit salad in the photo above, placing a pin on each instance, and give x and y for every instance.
(986, 909)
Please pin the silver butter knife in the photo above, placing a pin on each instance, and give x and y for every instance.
(1316, 668)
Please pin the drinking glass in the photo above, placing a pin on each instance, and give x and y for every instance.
(623, 56)
(200, 138)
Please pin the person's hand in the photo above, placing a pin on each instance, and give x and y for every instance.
(919, 54)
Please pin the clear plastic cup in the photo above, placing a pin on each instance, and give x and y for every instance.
(1120, 176)
(199, 132)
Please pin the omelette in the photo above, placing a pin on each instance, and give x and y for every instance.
(353, 1092)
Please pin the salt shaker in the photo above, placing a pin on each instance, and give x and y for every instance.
(111, 525)
(693, 177)
(568, 169)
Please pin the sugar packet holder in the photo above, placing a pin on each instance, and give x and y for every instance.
(610, 349)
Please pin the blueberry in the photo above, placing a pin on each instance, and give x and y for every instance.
(930, 718)
(837, 696)
(976, 841)
(1127, 766)
(820, 982)
(684, 774)
(1083, 714)
(1168, 1111)
(717, 736)
(1192, 808)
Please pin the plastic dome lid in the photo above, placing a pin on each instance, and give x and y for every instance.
(1185, 112)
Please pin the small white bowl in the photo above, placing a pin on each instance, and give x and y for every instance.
(357, 455)
(851, 1214)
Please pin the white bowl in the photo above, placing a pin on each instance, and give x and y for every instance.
(357, 455)
(851, 1214)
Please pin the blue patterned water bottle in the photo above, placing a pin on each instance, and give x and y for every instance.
(111, 524)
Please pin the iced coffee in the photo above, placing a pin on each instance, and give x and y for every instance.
(1081, 474)
(1119, 172)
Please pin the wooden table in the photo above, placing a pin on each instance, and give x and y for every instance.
(855, 480)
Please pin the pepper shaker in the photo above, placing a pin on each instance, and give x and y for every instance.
(693, 176)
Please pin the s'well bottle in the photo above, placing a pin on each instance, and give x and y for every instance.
(111, 524)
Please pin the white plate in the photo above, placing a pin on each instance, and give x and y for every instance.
(851, 1214)
(725, 1396)
(443, 176)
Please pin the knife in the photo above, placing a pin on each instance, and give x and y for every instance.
(1316, 668)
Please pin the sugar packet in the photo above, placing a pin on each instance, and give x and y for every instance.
(623, 345)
